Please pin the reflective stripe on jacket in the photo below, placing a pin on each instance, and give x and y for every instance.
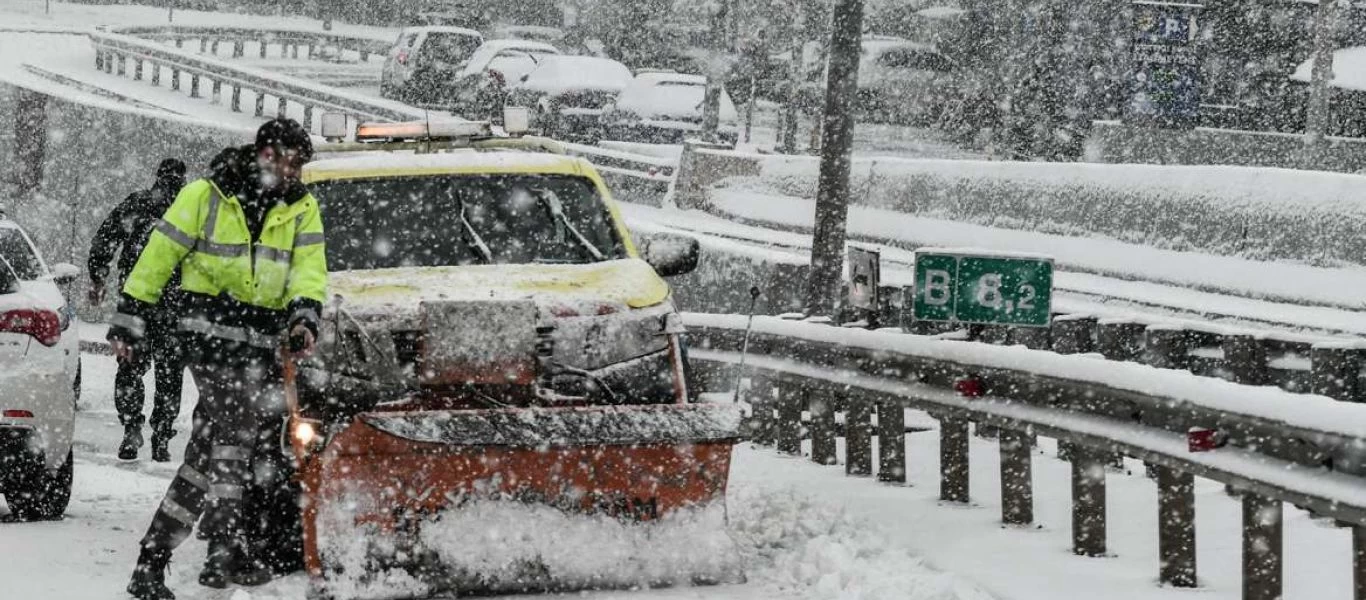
(205, 233)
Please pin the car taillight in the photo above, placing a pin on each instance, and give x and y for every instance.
(44, 325)
(402, 57)
(11, 413)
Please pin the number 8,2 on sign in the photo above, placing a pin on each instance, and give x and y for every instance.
(966, 285)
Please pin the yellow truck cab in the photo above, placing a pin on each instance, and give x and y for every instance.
(490, 265)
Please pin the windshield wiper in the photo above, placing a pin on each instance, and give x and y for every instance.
(476, 242)
(556, 208)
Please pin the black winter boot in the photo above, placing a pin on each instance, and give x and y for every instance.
(217, 565)
(247, 570)
(132, 442)
(149, 576)
(161, 442)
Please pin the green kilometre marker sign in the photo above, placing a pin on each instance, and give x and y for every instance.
(978, 286)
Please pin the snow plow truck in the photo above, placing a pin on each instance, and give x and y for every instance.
(501, 401)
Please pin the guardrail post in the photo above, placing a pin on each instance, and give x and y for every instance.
(1245, 359)
(217, 92)
(203, 45)
(213, 48)
(109, 61)
(156, 73)
(180, 43)
(790, 403)
(822, 410)
(294, 50)
(175, 79)
(953, 459)
(1017, 480)
(858, 438)
(1176, 526)
(260, 103)
(1359, 561)
(365, 56)
(1088, 501)
(1072, 334)
(1261, 547)
(236, 102)
(264, 44)
(311, 51)
(1119, 339)
(308, 116)
(891, 442)
(1166, 347)
(281, 107)
(194, 85)
(99, 60)
(763, 421)
(239, 49)
(1335, 371)
(137, 70)
(123, 65)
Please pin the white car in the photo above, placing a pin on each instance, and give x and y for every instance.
(664, 108)
(39, 378)
(566, 94)
(429, 51)
(904, 81)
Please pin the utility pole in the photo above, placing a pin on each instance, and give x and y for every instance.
(1317, 114)
(837, 136)
(711, 100)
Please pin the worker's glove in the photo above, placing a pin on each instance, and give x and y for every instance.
(302, 342)
(127, 328)
(122, 350)
(96, 294)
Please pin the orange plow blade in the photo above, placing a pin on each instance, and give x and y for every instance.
(412, 504)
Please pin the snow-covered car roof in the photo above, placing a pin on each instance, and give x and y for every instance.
(443, 29)
(379, 164)
(558, 74)
(491, 48)
(664, 95)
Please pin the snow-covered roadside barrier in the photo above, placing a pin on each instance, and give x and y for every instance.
(1258, 213)
(1302, 411)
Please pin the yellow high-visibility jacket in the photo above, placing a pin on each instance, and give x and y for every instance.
(205, 234)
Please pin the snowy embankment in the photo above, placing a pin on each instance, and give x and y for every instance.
(1283, 281)
(1258, 213)
(1075, 293)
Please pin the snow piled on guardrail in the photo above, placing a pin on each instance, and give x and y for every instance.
(1259, 213)
(1305, 411)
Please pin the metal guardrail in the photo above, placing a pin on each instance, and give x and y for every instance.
(113, 51)
(808, 367)
(289, 41)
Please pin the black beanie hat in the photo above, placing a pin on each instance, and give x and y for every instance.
(283, 134)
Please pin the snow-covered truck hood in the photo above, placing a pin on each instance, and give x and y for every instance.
(629, 282)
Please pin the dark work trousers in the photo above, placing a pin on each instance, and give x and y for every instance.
(236, 402)
(161, 348)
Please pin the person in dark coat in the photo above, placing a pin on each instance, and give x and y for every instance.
(124, 232)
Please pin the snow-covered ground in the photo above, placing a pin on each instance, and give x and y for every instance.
(804, 531)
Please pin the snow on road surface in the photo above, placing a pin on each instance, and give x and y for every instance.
(793, 543)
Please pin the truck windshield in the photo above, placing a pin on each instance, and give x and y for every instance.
(417, 221)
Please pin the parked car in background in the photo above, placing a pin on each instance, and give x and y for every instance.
(39, 378)
(566, 95)
(479, 88)
(537, 33)
(664, 108)
(904, 81)
(422, 57)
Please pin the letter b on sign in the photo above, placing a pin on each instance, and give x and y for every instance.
(934, 287)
